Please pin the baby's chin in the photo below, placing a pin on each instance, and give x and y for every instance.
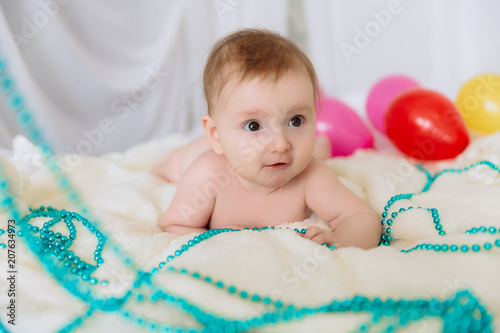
(279, 180)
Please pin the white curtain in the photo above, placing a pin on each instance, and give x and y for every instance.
(440, 43)
(102, 75)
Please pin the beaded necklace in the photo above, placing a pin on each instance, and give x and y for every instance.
(461, 312)
(388, 220)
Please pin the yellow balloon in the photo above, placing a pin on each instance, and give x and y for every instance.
(479, 103)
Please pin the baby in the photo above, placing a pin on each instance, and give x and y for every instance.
(256, 165)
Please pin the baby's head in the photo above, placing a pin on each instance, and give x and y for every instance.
(252, 53)
(261, 91)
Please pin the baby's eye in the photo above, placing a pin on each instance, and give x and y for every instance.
(252, 126)
(296, 121)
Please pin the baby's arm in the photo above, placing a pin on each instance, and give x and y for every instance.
(353, 222)
(192, 206)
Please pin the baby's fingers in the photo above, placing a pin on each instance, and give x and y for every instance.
(321, 236)
(313, 232)
(328, 239)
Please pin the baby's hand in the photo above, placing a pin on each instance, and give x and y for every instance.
(322, 236)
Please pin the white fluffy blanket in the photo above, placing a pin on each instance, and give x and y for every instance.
(127, 202)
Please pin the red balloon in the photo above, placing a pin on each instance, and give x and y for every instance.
(426, 125)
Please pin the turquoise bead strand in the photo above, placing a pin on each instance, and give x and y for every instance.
(432, 178)
(389, 218)
(462, 312)
(59, 245)
(387, 222)
(213, 232)
(454, 248)
(230, 288)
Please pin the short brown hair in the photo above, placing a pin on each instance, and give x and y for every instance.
(250, 53)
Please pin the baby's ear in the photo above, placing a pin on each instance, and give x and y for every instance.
(211, 133)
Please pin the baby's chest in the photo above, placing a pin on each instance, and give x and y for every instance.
(239, 209)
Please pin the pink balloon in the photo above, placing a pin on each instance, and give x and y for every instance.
(343, 127)
(382, 94)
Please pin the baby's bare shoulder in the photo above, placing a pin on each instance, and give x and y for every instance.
(207, 163)
(318, 173)
(318, 168)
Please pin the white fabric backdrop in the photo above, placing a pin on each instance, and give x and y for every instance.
(102, 75)
(440, 43)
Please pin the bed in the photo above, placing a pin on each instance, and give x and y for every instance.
(436, 270)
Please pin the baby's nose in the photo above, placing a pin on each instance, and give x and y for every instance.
(279, 143)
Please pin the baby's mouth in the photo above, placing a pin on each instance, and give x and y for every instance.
(277, 165)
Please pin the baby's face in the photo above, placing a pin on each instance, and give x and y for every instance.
(267, 128)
